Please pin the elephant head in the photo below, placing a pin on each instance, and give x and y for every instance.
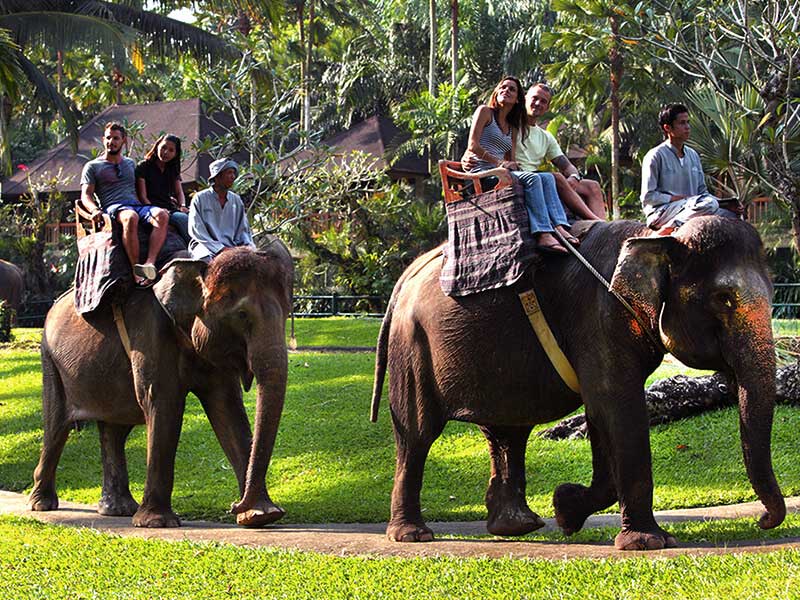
(707, 290)
(236, 317)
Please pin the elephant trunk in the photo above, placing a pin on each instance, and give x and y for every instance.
(752, 357)
(269, 366)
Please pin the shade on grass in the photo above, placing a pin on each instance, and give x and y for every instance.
(45, 561)
(332, 464)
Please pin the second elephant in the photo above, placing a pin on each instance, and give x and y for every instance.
(705, 293)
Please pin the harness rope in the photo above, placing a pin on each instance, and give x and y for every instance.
(646, 328)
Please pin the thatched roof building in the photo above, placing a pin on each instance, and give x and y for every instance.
(184, 118)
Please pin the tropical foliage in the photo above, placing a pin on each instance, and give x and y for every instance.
(292, 73)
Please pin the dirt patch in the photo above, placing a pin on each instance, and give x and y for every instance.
(355, 539)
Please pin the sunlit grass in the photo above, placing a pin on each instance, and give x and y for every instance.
(332, 464)
(46, 561)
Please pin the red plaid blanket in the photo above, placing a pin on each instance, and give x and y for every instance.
(489, 242)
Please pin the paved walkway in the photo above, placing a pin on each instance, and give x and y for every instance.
(369, 539)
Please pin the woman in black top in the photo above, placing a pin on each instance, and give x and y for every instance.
(158, 181)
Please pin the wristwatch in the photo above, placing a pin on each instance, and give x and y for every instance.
(576, 176)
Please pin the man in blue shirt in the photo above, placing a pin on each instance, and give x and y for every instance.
(112, 177)
(217, 219)
(673, 184)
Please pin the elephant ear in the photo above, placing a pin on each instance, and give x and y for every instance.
(181, 289)
(643, 270)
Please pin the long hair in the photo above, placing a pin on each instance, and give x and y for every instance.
(517, 118)
(173, 167)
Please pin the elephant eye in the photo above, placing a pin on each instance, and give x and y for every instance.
(242, 314)
(724, 300)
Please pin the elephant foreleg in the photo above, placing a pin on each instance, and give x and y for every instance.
(509, 513)
(625, 440)
(56, 431)
(116, 499)
(225, 411)
(164, 422)
(573, 502)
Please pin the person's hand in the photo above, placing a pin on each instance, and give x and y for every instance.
(677, 197)
(97, 216)
(504, 175)
(511, 165)
(183, 209)
(469, 160)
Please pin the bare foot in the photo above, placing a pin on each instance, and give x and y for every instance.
(568, 236)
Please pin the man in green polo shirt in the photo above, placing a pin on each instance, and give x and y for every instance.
(583, 197)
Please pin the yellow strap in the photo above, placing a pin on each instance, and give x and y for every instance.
(560, 362)
(121, 329)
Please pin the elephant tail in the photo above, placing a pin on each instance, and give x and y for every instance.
(381, 353)
(382, 348)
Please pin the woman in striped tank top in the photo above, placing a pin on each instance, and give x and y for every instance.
(492, 140)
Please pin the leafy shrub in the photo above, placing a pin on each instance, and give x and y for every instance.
(6, 314)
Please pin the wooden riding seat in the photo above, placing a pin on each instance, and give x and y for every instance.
(456, 183)
(85, 224)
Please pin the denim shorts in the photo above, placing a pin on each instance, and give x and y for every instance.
(145, 211)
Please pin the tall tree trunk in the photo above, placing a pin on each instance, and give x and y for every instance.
(454, 42)
(308, 54)
(5, 124)
(301, 27)
(615, 57)
(433, 46)
(244, 26)
(59, 70)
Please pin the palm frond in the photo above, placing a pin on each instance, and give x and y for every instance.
(62, 30)
(46, 91)
(10, 71)
(166, 36)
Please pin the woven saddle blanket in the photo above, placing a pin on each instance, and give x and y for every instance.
(489, 242)
(103, 270)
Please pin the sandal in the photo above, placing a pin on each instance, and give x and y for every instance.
(551, 248)
(143, 282)
(146, 271)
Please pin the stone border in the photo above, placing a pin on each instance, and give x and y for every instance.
(359, 539)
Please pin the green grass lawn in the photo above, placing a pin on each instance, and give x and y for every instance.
(45, 561)
(332, 464)
(337, 331)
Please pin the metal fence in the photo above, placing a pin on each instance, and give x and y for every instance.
(785, 308)
(339, 305)
(33, 313)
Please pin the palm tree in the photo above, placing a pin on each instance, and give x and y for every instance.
(104, 26)
(10, 73)
(436, 123)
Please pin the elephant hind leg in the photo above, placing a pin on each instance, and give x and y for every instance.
(415, 430)
(116, 499)
(509, 513)
(43, 496)
(573, 503)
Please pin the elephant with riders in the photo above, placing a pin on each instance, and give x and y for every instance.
(210, 330)
(702, 294)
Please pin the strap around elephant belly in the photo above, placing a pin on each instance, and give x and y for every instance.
(530, 303)
(119, 321)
